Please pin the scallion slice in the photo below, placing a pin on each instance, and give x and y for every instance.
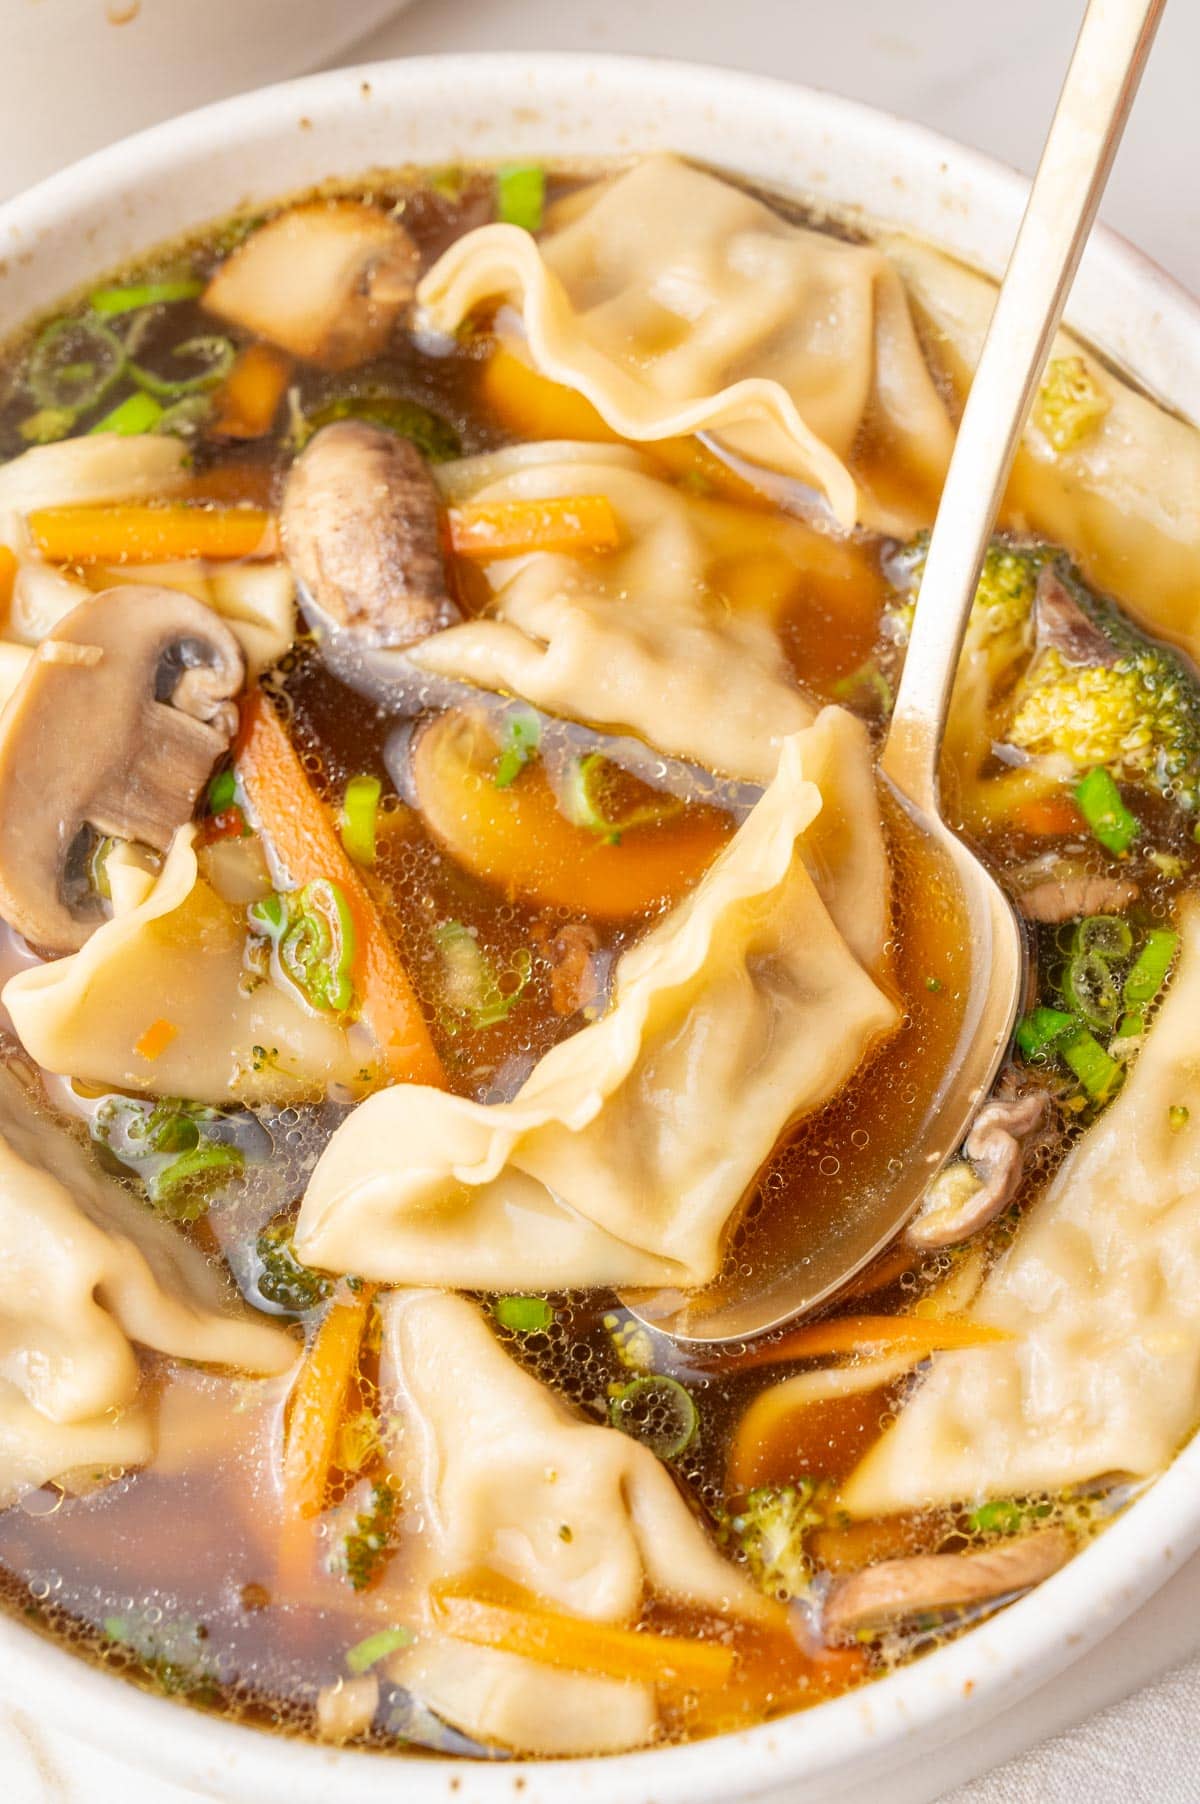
(110, 302)
(136, 414)
(1109, 937)
(74, 363)
(215, 355)
(521, 195)
(47, 425)
(1099, 1074)
(1107, 816)
(1040, 1032)
(193, 1171)
(1090, 990)
(360, 811)
(523, 1315)
(522, 735)
(657, 1411)
(364, 1654)
(1148, 972)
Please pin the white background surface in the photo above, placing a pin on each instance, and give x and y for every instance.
(983, 71)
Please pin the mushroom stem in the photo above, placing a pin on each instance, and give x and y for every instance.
(884, 1595)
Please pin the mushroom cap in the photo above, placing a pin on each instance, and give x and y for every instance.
(360, 524)
(116, 725)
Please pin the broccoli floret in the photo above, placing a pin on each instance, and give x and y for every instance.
(283, 1280)
(358, 1557)
(1117, 700)
(1070, 403)
(771, 1528)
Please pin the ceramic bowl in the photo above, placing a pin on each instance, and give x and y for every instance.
(124, 200)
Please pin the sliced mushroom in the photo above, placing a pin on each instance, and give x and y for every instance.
(1070, 898)
(885, 1595)
(1063, 626)
(115, 727)
(360, 527)
(995, 1157)
(327, 281)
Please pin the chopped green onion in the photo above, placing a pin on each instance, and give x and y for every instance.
(470, 985)
(198, 1167)
(1002, 1517)
(312, 931)
(113, 301)
(360, 807)
(934, 984)
(522, 735)
(869, 679)
(1040, 1032)
(1099, 1074)
(47, 425)
(137, 413)
(657, 1411)
(584, 804)
(215, 354)
(1105, 813)
(1090, 990)
(523, 1315)
(1178, 1116)
(1107, 936)
(1149, 970)
(521, 195)
(74, 363)
(185, 417)
(364, 1654)
(222, 791)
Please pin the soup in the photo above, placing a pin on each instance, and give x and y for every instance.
(448, 910)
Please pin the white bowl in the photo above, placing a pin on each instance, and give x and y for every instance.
(177, 176)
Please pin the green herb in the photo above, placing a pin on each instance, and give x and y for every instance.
(1105, 813)
(74, 363)
(284, 1280)
(471, 987)
(362, 1550)
(109, 302)
(360, 808)
(1003, 1517)
(434, 437)
(215, 356)
(364, 1654)
(1042, 1031)
(657, 1411)
(1178, 1116)
(522, 736)
(521, 195)
(47, 425)
(523, 1315)
(222, 791)
(1099, 1074)
(136, 414)
(179, 1188)
(868, 679)
(312, 931)
(171, 1652)
(587, 800)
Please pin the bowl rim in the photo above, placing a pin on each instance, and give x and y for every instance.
(939, 1697)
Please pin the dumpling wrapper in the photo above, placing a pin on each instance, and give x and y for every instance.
(1126, 498)
(85, 1275)
(626, 1151)
(175, 953)
(641, 639)
(1101, 1291)
(677, 303)
(495, 1466)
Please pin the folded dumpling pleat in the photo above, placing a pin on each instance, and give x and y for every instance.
(642, 639)
(625, 1153)
(1101, 1294)
(87, 1275)
(677, 303)
(510, 1484)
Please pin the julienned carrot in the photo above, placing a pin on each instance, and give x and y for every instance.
(508, 528)
(1048, 816)
(917, 1335)
(8, 576)
(156, 1039)
(317, 1402)
(247, 401)
(553, 1639)
(305, 841)
(129, 533)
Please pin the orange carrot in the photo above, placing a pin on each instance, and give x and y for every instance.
(536, 407)
(553, 1639)
(507, 528)
(156, 1039)
(1048, 816)
(8, 576)
(316, 1404)
(304, 839)
(134, 534)
(917, 1335)
(247, 401)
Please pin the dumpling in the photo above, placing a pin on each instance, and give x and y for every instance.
(1126, 497)
(623, 1156)
(642, 639)
(175, 954)
(497, 1467)
(85, 1274)
(1101, 1293)
(676, 303)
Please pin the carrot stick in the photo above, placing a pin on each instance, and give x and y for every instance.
(554, 1639)
(133, 534)
(917, 1335)
(156, 1039)
(8, 576)
(247, 401)
(316, 1406)
(1048, 816)
(302, 835)
(507, 528)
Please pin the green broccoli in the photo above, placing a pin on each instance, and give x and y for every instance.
(283, 1280)
(170, 1651)
(770, 1529)
(359, 1553)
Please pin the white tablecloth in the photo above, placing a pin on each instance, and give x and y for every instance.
(986, 74)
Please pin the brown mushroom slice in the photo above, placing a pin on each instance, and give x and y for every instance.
(361, 530)
(327, 281)
(1069, 898)
(883, 1596)
(115, 727)
(994, 1162)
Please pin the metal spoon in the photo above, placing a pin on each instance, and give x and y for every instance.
(1095, 102)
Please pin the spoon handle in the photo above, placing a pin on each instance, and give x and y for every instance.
(1097, 95)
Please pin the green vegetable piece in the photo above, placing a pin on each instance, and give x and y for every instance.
(171, 1651)
(523, 1315)
(360, 809)
(521, 195)
(111, 302)
(657, 1411)
(136, 414)
(867, 679)
(315, 942)
(1040, 1032)
(522, 736)
(365, 1654)
(1178, 1116)
(1149, 970)
(222, 791)
(1109, 937)
(363, 1550)
(1105, 813)
(185, 418)
(585, 803)
(771, 1528)
(434, 437)
(1090, 990)
(1100, 1075)
(74, 363)
(215, 355)
(180, 1188)
(47, 425)
(470, 985)
(1070, 403)
(284, 1280)
(1002, 1517)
